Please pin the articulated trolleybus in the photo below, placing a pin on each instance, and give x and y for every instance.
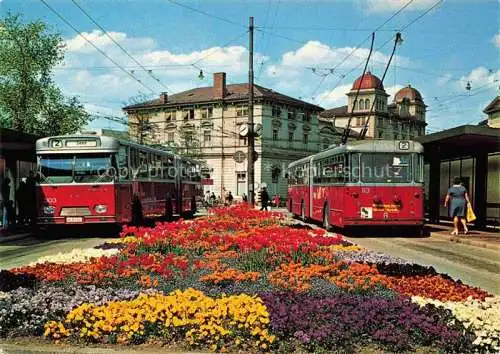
(89, 179)
(363, 183)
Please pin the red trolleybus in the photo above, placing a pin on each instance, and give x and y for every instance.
(89, 179)
(369, 182)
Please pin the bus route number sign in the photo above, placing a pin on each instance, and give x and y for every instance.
(56, 143)
(404, 145)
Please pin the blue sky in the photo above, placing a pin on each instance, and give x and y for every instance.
(296, 45)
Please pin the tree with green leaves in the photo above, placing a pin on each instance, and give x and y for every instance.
(29, 99)
(141, 126)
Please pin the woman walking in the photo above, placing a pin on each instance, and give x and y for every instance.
(458, 206)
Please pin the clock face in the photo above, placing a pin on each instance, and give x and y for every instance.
(243, 130)
(239, 156)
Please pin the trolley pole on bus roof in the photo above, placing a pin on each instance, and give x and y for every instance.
(251, 136)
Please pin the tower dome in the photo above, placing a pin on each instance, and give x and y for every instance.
(409, 93)
(367, 81)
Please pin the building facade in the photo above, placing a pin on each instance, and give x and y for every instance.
(492, 110)
(205, 123)
(404, 118)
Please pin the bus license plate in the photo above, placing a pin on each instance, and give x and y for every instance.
(74, 219)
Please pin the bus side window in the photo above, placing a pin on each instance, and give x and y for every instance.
(168, 167)
(134, 163)
(123, 167)
(143, 164)
(155, 171)
(354, 170)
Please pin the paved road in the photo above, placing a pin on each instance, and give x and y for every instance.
(24, 251)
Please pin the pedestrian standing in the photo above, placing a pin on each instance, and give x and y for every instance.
(22, 201)
(264, 199)
(6, 202)
(229, 198)
(458, 205)
(245, 198)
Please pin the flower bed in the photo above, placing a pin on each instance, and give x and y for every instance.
(241, 279)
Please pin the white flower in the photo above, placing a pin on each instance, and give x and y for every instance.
(480, 316)
(76, 255)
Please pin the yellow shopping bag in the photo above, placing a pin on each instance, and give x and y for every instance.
(470, 214)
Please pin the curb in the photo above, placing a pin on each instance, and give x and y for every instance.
(482, 244)
(469, 241)
(5, 239)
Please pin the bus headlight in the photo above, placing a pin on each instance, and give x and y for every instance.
(101, 209)
(49, 210)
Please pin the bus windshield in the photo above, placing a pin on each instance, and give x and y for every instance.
(386, 168)
(56, 168)
(79, 168)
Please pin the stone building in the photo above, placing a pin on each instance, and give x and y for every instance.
(206, 122)
(404, 118)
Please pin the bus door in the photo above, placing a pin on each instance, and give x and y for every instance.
(123, 184)
(177, 196)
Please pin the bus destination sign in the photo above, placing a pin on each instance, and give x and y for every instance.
(81, 143)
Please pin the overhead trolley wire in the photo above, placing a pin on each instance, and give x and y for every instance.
(261, 67)
(385, 43)
(207, 14)
(119, 45)
(366, 39)
(93, 45)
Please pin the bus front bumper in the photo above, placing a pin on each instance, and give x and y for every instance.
(75, 220)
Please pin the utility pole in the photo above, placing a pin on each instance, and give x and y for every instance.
(251, 136)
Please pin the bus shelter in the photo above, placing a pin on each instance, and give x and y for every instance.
(472, 153)
(17, 159)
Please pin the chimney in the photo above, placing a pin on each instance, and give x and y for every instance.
(219, 85)
(163, 98)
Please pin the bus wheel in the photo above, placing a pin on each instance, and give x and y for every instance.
(137, 215)
(419, 231)
(169, 210)
(326, 222)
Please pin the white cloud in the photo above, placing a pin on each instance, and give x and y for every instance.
(86, 73)
(79, 45)
(294, 74)
(374, 6)
(443, 80)
(315, 53)
(391, 91)
(336, 97)
(496, 40)
(479, 78)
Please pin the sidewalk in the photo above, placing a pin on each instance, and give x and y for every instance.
(475, 238)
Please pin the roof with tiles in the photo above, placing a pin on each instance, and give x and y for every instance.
(408, 92)
(367, 81)
(233, 92)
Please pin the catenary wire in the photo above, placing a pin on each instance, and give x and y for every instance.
(93, 45)
(119, 45)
